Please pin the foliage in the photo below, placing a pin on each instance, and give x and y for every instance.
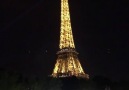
(14, 81)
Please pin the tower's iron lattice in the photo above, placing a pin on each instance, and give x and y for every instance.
(67, 63)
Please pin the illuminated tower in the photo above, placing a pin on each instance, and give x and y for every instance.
(67, 63)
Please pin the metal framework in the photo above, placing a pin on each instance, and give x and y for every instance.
(66, 37)
(67, 63)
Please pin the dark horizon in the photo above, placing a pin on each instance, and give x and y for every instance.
(29, 36)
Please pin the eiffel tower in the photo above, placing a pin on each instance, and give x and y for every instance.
(67, 63)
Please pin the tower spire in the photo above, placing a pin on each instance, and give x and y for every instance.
(66, 37)
(67, 63)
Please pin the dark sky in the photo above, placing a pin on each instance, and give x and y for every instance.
(29, 36)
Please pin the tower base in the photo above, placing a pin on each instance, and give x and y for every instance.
(68, 65)
(64, 75)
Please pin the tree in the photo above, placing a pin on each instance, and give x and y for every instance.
(55, 84)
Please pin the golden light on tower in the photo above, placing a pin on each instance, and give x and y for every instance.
(66, 37)
(67, 63)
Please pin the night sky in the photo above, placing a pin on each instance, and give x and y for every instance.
(29, 36)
